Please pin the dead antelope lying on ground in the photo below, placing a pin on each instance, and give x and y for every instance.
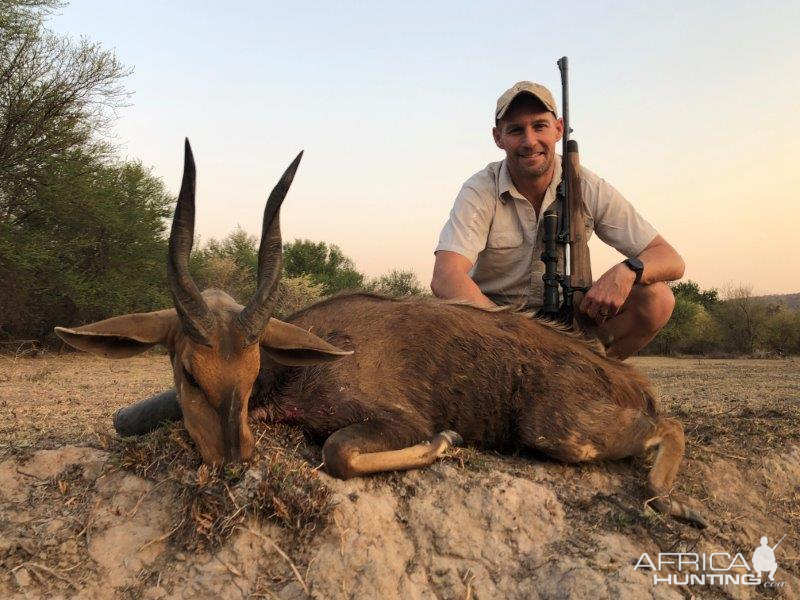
(387, 384)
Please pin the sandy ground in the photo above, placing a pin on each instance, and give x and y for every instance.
(475, 525)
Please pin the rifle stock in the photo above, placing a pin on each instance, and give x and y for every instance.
(580, 262)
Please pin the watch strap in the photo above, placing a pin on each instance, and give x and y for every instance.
(635, 265)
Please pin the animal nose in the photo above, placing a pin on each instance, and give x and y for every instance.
(230, 416)
(232, 456)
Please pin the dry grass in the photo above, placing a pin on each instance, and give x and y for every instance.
(69, 399)
(278, 484)
(730, 406)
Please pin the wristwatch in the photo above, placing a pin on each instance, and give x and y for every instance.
(635, 265)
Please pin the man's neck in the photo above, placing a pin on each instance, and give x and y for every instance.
(533, 189)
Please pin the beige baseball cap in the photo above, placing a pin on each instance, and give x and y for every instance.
(525, 87)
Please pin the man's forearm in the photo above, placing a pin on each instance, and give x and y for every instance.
(455, 286)
(661, 263)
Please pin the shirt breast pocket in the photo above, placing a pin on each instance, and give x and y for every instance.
(504, 239)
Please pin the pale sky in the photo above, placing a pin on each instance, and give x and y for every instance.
(690, 109)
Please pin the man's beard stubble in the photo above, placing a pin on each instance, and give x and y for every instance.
(543, 170)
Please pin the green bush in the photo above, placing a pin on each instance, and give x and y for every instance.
(93, 246)
(229, 264)
(739, 323)
(296, 293)
(680, 332)
(782, 334)
(397, 284)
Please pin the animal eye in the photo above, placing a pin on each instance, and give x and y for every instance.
(190, 378)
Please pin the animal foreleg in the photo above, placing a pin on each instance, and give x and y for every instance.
(670, 441)
(146, 415)
(374, 447)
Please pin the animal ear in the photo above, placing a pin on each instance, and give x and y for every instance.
(125, 336)
(293, 346)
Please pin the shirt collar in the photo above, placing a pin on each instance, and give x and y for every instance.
(506, 187)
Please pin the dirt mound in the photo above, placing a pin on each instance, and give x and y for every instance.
(75, 523)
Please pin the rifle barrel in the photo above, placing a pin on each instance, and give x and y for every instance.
(779, 542)
(565, 232)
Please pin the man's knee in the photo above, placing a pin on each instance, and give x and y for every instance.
(654, 306)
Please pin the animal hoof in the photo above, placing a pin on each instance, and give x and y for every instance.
(452, 438)
(696, 519)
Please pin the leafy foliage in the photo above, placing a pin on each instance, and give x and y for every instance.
(231, 264)
(742, 320)
(690, 291)
(295, 293)
(95, 248)
(55, 97)
(324, 263)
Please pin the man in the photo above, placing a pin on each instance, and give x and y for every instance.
(764, 559)
(490, 249)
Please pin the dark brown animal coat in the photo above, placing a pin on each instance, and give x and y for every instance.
(499, 379)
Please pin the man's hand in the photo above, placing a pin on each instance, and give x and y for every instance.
(608, 294)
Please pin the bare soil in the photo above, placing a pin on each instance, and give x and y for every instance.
(78, 521)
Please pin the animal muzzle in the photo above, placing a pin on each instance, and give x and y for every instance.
(230, 413)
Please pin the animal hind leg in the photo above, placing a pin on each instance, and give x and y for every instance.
(375, 446)
(669, 439)
(628, 433)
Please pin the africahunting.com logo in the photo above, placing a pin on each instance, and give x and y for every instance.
(717, 568)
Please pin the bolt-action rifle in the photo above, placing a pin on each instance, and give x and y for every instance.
(565, 226)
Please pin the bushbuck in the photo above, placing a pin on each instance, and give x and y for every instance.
(388, 384)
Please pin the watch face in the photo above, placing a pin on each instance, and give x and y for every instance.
(635, 264)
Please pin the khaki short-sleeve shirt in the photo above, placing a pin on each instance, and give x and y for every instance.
(498, 231)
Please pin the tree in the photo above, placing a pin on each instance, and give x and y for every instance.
(742, 320)
(677, 334)
(54, 100)
(691, 291)
(18, 17)
(99, 249)
(81, 235)
(231, 265)
(782, 334)
(325, 264)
